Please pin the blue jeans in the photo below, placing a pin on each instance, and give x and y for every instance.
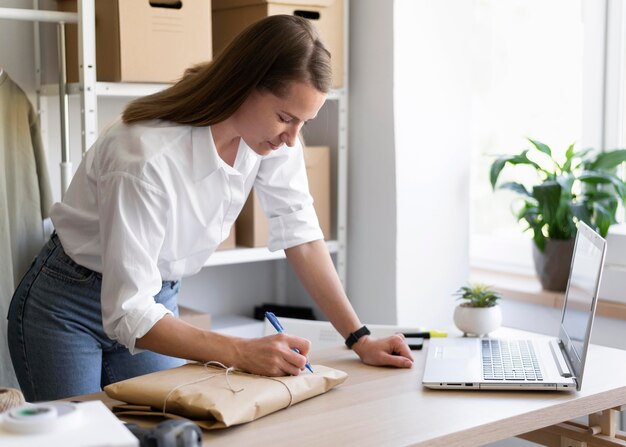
(56, 339)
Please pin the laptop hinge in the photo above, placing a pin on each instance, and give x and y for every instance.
(561, 364)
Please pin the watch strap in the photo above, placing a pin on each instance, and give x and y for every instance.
(354, 336)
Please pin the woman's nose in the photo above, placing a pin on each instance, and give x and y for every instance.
(291, 134)
(289, 139)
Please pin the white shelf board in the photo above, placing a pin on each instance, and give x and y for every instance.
(130, 89)
(108, 89)
(127, 89)
(38, 15)
(241, 255)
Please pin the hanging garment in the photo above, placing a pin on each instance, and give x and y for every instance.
(25, 198)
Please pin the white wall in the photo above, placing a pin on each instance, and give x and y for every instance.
(372, 207)
(432, 128)
(408, 209)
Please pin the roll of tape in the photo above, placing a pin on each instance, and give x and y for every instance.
(10, 398)
(41, 417)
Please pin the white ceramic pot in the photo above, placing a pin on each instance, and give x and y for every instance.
(477, 320)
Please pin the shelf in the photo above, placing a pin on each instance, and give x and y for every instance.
(242, 255)
(34, 15)
(108, 89)
(131, 89)
(527, 288)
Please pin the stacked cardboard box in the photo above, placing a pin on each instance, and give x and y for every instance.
(230, 17)
(141, 41)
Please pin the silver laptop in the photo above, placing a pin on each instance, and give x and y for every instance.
(533, 364)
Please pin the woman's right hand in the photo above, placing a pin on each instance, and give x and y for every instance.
(271, 355)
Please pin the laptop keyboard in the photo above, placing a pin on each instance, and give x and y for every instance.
(510, 360)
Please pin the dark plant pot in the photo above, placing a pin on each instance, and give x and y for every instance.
(552, 266)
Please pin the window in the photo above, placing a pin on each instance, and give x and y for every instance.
(538, 72)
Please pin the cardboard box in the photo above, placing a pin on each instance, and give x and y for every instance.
(230, 242)
(230, 17)
(194, 317)
(252, 225)
(317, 161)
(144, 41)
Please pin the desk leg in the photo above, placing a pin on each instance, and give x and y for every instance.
(601, 432)
(604, 422)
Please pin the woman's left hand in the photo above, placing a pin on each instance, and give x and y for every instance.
(389, 351)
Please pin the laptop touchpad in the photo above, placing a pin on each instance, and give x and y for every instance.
(452, 352)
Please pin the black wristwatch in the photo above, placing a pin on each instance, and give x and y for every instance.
(354, 336)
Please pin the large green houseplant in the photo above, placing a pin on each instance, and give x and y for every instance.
(583, 186)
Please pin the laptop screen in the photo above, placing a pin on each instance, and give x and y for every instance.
(581, 295)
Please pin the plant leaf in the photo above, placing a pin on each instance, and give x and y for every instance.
(564, 226)
(496, 168)
(541, 147)
(581, 212)
(602, 178)
(516, 187)
(498, 165)
(597, 194)
(594, 177)
(548, 194)
(608, 160)
(566, 181)
(603, 218)
(478, 295)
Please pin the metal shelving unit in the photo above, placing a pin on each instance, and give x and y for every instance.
(90, 90)
(242, 254)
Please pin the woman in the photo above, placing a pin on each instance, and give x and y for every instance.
(152, 200)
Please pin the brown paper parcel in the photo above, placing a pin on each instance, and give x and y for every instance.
(215, 398)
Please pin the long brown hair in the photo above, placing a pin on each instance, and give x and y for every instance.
(267, 55)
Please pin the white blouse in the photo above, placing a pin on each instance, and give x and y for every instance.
(152, 201)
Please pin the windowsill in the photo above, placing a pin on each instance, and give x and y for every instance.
(526, 288)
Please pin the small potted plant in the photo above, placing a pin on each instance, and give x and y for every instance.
(479, 312)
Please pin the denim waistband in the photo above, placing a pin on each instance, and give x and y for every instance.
(54, 240)
(54, 244)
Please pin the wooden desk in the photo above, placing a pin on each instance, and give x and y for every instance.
(386, 406)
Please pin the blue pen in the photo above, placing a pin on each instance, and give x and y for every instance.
(280, 329)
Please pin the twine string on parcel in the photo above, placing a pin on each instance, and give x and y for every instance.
(226, 371)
